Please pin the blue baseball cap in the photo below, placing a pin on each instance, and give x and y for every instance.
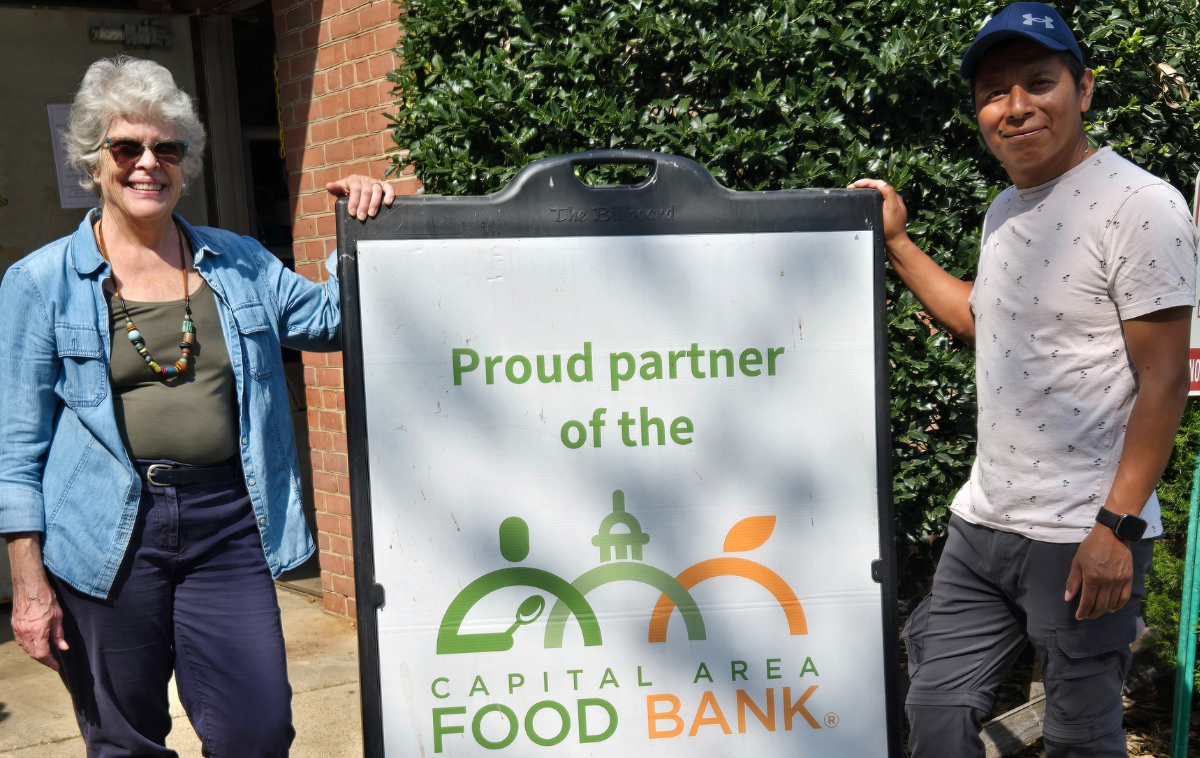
(1033, 21)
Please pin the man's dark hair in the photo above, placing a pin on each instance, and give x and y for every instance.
(1072, 63)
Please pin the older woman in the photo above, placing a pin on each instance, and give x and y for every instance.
(149, 488)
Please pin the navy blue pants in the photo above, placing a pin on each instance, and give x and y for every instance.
(194, 596)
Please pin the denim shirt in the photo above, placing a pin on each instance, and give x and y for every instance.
(64, 471)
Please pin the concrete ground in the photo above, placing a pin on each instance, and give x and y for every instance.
(35, 710)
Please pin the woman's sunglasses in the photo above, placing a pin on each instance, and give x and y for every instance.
(129, 151)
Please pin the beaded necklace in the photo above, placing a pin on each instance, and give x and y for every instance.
(131, 330)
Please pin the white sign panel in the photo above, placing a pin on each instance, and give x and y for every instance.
(624, 494)
(1194, 353)
(70, 194)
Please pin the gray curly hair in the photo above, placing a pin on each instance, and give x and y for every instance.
(128, 86)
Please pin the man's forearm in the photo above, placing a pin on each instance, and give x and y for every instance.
(1149, 439)
(943, 296)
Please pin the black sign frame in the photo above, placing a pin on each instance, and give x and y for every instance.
(546, 199)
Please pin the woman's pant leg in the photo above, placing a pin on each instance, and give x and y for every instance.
(119, 661)
(230, 664)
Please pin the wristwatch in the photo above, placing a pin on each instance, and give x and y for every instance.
(1126, 526)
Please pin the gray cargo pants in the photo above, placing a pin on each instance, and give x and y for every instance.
(993, 591)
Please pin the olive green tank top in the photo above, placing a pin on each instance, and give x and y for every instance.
(192, 418)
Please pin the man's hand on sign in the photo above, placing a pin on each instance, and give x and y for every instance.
(1103, 570)
(943, 296)
(365, 194)
(895, 215)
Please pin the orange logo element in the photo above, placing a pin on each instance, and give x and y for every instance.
(747, 534)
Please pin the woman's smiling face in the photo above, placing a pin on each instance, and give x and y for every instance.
(148, 189)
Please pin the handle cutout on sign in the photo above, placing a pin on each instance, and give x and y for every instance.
(610, 174)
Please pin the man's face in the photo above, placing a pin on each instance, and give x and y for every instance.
(1029, 108)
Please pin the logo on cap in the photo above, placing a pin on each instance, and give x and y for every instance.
(1045, 20)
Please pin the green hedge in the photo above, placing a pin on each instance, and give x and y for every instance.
(784, 93)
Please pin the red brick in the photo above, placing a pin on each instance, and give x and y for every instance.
(324, 36)
(282, 5)
(351, 608)
(333, 359)
(355, 123)
(289, 45)
(327, 8)
(326, 227)
(349, 5)
(377, 120)
(323, 481)
(339, 443)
(349, 563)
(324, 131)
(339, 545)
(327, 522)
(294, 138)
(344, 485)
(326, 175)
(331, 55)
(348, 75)
(289, 93)
(408, 187)
(299, 16)
(322, 440)
(319, 501)
(327, 581)
(328, 377)
(317, 202)
(368, 147)
(343, 26)
(364, 97)
(303, 227)
(336, 463)
(331, 562)
(382, 65)
(347, 529)
(360, 46)
(309, 270)
(328, 400)
(317, 459)
(362, 70)
(387, 37)
(334, 603)
(322, 540)
(339, 152)
(310, 37)
(343, 585)
(313, 359)
(374, 15)
(279, 21)
(312, 396)
(312, 156)
(334, 422)
(302, 66)
(335, 104)
(339, 504)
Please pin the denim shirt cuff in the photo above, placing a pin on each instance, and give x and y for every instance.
(21, 510)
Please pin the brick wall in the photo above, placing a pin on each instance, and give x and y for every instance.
(334, 57)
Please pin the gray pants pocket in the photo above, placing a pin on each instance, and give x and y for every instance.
(1085, 666)
(914, 635)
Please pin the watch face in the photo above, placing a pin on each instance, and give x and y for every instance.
(1130, 528)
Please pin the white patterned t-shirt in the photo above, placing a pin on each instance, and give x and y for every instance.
(1060, 266)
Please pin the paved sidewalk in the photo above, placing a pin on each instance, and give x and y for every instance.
(35, 710)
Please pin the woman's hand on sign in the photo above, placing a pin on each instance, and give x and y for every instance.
(365, 194)
(895, 215)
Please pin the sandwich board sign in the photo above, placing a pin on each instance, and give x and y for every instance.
(621, 469)
(1194, 351)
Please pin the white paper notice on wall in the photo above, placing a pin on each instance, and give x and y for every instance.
(70, 194)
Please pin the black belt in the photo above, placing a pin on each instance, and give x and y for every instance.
(167, 475)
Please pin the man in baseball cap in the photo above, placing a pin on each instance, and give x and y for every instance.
(1079, 314)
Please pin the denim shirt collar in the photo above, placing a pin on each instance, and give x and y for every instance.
(86, 257)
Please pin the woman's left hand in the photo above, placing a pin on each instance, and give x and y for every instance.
(365, 194)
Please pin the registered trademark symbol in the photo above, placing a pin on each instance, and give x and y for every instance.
(831, 719)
